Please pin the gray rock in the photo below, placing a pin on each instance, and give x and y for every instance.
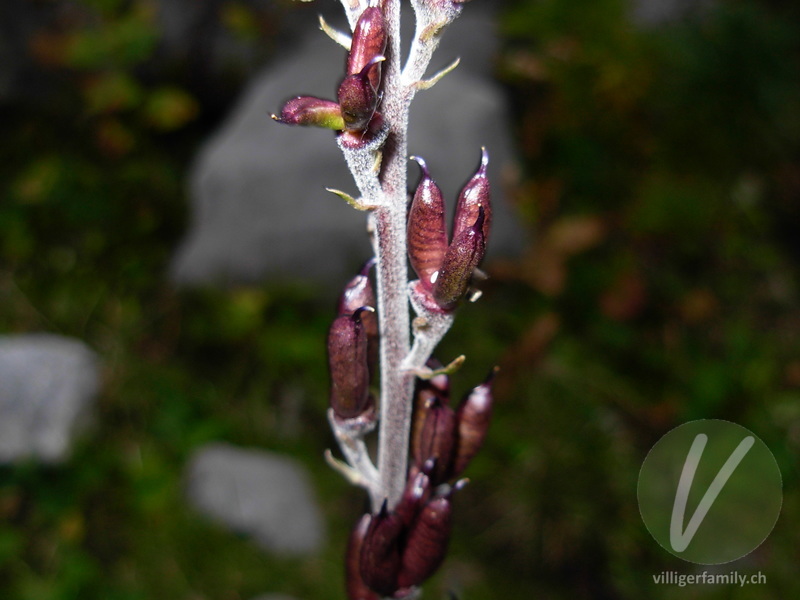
(259, 208)
(47, 386)
(660, 12)
(194, 34)
(261, 494)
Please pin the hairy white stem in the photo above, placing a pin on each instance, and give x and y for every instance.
(350, 436)
(397, 386)
(429, 328)
(380, 173)
(431, 22)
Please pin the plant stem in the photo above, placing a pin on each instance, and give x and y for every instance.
(392, 276)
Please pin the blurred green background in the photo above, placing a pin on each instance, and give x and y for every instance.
(660, 181)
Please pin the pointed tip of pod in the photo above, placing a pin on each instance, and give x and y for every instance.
(484, 161)
(422, 165)
(476, 192)
(361, 309)
(491, 375)
(429, 465)
(481, 395)
(367, 266)
(364, 72)
(460, 485)
(418, 486)
(357, 294)
(484, 389)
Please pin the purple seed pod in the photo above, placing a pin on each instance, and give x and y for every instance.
(426, 544)
(369, 41)
(437, 440)
(423, 398)
(462, 257)
(416, 494)
(476, 193)
(424, 298)
(347, 358)
(426, 230)
(358, 98)
(380, 552)
(307, 110)
(473, 416)
(358, 293)
(425, 391)
(356, 588)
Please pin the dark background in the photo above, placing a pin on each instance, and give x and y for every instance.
(660, 178)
